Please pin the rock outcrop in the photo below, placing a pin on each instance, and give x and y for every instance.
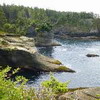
(92, 55)
(45, 39)
(84, 94)
(21, 52)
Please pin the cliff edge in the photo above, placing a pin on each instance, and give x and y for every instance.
(21, 52)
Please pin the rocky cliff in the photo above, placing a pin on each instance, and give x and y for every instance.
(21, 52)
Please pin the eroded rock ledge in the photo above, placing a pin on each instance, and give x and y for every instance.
(83, 94)
(21, 52)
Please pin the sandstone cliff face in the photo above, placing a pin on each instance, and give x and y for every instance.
(21, 52)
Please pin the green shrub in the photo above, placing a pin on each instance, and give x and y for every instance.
(55, 85)
(10, 90)
(16, 90)
(44, 27)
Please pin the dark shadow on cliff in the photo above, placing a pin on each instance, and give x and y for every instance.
(47, 51)
(28, 75)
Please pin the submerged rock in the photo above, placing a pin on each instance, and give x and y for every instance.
(92, 55)
(83, 94)
(21, 52)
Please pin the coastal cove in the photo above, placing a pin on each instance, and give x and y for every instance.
(73, 53)
(49, 54)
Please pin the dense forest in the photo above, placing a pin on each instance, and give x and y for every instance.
(23, 20)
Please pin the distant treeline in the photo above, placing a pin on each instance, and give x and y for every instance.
(18, 19)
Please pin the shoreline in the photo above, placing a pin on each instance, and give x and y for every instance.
(88, 37)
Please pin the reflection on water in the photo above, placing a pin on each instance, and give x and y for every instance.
(73, 53)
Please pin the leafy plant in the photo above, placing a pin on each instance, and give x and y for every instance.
(44, 27)
(16, 90)
(8, 89)
(55, 85)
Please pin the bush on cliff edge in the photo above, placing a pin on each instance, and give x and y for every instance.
(11, 90)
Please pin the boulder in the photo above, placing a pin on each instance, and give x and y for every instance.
(92, 55)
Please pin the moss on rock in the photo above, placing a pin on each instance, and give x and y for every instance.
(56, 62)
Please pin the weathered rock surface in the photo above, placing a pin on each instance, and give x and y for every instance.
(46, 40)
(92, 55)
(84, 94)
(21, 52)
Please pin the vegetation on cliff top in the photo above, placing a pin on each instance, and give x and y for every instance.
(21, 20)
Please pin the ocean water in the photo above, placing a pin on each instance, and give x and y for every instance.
(73, 53)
